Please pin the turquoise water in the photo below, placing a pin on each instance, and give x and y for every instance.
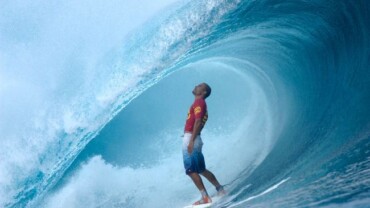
(94, 97)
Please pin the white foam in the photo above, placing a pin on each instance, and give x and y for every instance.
(99, 184)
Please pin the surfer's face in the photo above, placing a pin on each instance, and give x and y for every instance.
(199, 89)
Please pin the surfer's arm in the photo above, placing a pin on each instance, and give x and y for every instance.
(199, 112)
(196, 131)
(197, 128)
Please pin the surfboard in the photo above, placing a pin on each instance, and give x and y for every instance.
(200, 205)
(214, 201)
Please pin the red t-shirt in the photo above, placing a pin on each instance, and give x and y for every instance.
(196, 111)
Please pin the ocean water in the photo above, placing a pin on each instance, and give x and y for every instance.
(94, 97)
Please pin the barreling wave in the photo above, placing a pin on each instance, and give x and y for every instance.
(289, 111)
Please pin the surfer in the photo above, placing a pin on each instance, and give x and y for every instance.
(192, 144)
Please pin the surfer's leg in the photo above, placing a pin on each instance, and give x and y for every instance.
(197, 180)
(211, 177)
(199, 183)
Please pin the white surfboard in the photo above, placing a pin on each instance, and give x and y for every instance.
(214, 201)
(200, 205)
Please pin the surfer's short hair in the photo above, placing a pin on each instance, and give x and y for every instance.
(208, 90)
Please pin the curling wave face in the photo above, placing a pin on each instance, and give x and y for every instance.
(289, 109)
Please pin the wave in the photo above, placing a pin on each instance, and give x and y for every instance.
(290, 100)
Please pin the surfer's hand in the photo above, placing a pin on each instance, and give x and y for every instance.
(190, 146)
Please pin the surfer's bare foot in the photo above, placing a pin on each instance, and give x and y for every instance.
(221, 191)
(204, 200)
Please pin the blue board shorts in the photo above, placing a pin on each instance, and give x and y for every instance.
(193, 162)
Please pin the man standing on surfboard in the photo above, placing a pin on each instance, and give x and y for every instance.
(192, 144)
